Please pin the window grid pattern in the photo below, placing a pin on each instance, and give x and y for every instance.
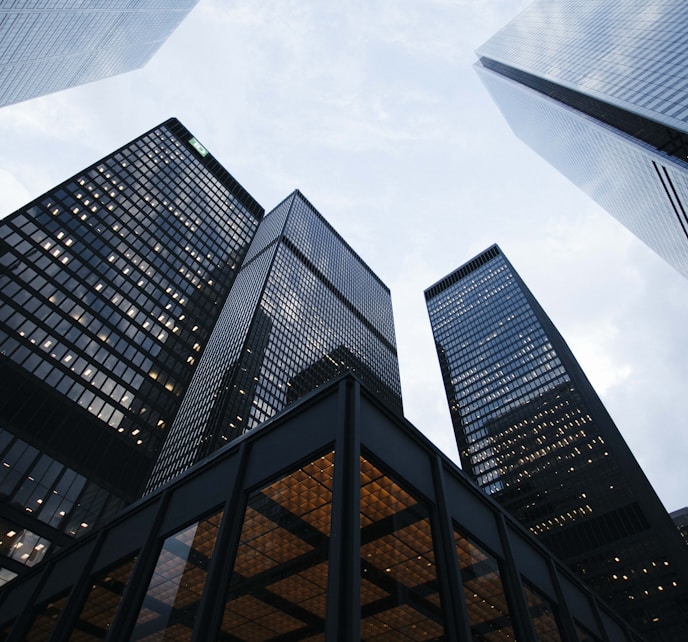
(110, 280)
(304, 309)
(643, 188)
(48, 45)
(630, 53)
(532, 433)
(109, 286)
(54, 494)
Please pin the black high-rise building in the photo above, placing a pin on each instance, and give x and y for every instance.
(303, 309)
(111, 284)
(532, 432)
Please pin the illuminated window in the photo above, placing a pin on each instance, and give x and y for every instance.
(279, 582)
(399, 586)
(102, 602)
(45, 619)
(542, 615)
(171, 602)
(488, 612)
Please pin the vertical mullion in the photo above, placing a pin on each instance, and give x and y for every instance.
(212, 606)
(137, 585)
(343, 612)
(514, 586)
(454, 604)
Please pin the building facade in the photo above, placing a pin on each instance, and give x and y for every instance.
(303, 309)
(532, 433)
(111, 283)
(335, 520)
(600, 91)
(680, 518)
(46, 46)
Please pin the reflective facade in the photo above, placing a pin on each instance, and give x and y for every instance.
(600, 90)
(335, 520)
(110, 286)
(48, 45)
(534, 435)
(304, 308)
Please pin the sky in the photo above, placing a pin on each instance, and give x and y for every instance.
(372, 109)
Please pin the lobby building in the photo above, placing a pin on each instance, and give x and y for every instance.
(46, 46)
(303, 309)
(334, 520)
(600, 91)
(110, 286)
(534, 435)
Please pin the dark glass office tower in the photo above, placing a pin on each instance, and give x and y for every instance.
(304, 308)
(111, 283)
(600, 91)
(533, 434)
(46, 45)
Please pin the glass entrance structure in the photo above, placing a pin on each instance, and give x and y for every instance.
(334, 520)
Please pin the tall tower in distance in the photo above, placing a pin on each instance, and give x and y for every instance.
(304, 308)
(600, 91)
(48, 45)
(110, 286)
(532, 432)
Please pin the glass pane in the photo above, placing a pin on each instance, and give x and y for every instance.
(488, 613)
(279, 583)
(45, 620)
(101, 603)
(400, 597)
(5, 574)
(542, 615)
(174, 592)
(584, 635)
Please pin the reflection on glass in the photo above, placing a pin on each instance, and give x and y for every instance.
(101, 604)
(488, 612)
(399, 587)
(45, 620)
(279, 581)
(542, 615)
(584, 635)
(169, 609)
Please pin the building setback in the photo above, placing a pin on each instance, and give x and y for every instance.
(334, 520)
(303, 309)
(532, 433)
(600, 91)
(110, 285)
(46, 46)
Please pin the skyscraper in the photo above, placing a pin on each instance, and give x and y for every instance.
(600, 91)
(303, 309)
(532, 432)
(46, 46)
(110, 286)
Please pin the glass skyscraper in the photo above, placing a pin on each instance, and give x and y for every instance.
(532, 433)
(46, 45)
(303, 309)
(110, 286)
(600, 91)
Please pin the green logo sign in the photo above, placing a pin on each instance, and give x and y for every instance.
(198, 147)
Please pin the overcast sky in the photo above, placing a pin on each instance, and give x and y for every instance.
(372, 109)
